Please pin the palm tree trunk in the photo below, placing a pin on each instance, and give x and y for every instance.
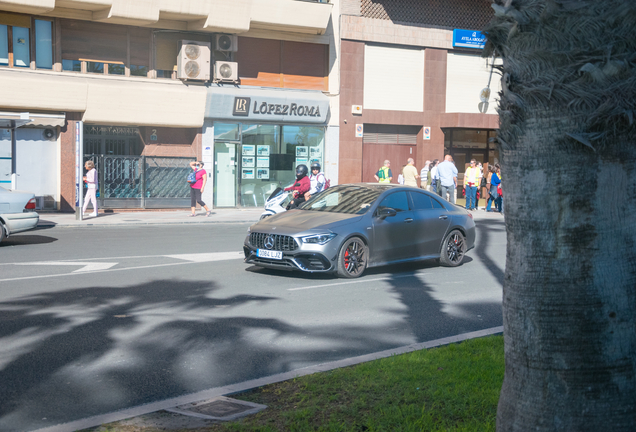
(568, 145)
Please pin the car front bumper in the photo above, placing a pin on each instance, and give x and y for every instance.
(306, 258)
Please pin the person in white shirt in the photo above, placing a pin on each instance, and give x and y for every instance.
(424, 175)
(317, 180)
(91, 183)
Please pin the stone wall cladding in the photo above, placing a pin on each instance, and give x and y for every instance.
(351, 7)
(383, 31)
(462, 14)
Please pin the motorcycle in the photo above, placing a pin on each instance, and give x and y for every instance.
(277, 202)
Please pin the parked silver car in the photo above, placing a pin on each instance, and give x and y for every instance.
(350, 227)
(17, 212)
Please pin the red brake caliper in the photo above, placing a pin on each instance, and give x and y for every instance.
(346, 257)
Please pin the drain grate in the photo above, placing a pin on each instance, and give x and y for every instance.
(220, 408)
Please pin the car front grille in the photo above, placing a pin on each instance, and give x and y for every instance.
(281, 242)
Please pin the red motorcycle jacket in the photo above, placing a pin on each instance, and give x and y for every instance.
(300, 187)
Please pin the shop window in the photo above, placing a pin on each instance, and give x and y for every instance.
(306, 143)
(227, 132)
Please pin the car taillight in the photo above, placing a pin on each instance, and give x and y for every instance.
(470, 215)
(30, 205)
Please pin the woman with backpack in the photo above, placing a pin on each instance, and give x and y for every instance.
(317, 181)
(197, 181)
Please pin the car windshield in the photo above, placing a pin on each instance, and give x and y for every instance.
(350, 199)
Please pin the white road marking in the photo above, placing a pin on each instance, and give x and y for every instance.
(356, 281)
(86, 267)
(193, 259)
(207, 257)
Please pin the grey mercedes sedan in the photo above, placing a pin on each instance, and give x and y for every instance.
(350, 227)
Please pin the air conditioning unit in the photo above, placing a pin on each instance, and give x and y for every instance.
(225, 71)
(193, 62)
(226, 42)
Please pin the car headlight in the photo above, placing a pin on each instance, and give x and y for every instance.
(249, 229)
(320, 239)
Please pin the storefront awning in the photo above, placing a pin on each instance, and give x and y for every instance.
(34, 119)
(256, 104)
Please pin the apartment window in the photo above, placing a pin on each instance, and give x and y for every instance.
(4, 45)
(108, 49)
(43, 44)
(72, 65)
(136, 70)
(16, 50)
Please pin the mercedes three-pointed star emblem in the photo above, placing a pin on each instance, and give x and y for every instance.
(269, 241)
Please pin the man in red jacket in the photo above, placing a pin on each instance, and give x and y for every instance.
(301, 186)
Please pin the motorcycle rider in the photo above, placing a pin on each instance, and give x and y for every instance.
(317, 180)
(301, 186)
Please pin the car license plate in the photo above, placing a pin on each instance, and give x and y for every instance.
(263, 253)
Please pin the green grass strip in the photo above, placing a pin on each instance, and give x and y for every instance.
(451, 388)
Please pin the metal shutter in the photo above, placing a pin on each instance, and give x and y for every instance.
(466, 75)
(393, 78)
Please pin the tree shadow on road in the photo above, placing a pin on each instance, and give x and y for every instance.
(87, 351)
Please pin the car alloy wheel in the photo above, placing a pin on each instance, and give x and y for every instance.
(352, 259)
(453, 249)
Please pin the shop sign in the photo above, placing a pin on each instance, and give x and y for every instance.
(468, 39)
(273, 106)
(267, 108)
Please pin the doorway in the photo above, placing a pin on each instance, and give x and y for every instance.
(225, 174)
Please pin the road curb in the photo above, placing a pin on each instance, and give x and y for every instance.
(260, 382)
(124, 224)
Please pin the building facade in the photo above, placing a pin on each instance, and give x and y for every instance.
(411, 78)
(250, 87)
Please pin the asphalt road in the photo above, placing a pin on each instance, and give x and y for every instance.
(93, 320)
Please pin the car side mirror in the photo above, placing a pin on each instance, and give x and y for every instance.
(386, 212)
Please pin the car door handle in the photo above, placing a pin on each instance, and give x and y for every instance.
(443, 217)
(408, 220)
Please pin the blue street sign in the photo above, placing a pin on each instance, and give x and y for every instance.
(468, 39)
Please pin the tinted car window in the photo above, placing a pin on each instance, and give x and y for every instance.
(346, 199)
(436, 204)
(421, 201)
(397, 201)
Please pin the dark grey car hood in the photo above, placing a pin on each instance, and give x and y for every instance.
(297, 221)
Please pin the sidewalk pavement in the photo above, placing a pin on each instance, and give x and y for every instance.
(124, 218)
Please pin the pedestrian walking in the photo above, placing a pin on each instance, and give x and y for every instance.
(424, 178)
(91, 187)
(197, 188)
(433, 177)
(447, 172)
(384, 174)
(472, 178)
(499, 200)
(493, 185)
(410, 173)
